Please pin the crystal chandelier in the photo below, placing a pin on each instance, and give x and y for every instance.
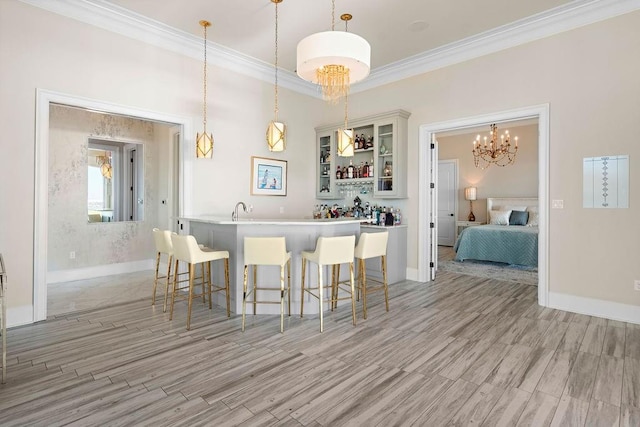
(500, 153)
(333, 59)
(204, 140)
(276, 130)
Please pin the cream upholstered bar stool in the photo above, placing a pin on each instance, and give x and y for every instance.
(333, 251)
(186, 249)
(266, 251)
(162, 239)
(372, 245)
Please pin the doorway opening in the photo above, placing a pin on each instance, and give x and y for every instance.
(45, 101)
(428, 172)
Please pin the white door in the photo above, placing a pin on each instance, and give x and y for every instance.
(447, 201)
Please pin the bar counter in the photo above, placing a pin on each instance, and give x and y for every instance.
(301, 235)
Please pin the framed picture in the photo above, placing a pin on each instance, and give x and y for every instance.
(268, 177)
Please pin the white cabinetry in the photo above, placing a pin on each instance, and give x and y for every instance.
(381, 158)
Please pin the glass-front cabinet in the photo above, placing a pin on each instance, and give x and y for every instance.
(379, 162)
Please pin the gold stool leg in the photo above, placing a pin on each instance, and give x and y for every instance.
(289, 286)
(174, 290)
(155, 280)
(209, 283)
(166, 286)
(244, 295)
(353, 293)
(302, 296)
(320, 298)
(202, 282)
(255, 288)
(226, 286)
(191, 274)
(281, 298)
(363, 278)
(384, 279)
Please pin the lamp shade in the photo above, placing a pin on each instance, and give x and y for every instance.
(333, 48)
(345, 142)
(276, 136)
(470, 193)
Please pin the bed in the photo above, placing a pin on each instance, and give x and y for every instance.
(500, 242)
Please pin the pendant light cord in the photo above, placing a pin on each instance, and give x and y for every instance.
(276, 67)
(204, 118)
(333, 14)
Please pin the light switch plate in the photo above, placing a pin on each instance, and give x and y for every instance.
(557, 204)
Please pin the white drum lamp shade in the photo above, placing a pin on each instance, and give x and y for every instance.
(333, 48)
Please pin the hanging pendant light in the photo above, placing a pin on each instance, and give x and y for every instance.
(334, 60)
(204, 141)
(345, 136)
(276, 130)
(106, 169)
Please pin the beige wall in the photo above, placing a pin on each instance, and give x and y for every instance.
(517, 180)
(43, 50)
(589, 77)
(96, 243)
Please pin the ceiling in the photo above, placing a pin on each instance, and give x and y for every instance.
(395, 29)
(407, 38)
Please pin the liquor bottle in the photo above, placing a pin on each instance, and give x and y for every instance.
(350, 170)
(397, 218)
(338, 172)
(365, 170)
(322, 157)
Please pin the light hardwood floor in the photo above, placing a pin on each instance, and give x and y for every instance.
(458, 351)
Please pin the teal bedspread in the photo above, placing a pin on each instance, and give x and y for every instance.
(512, 244)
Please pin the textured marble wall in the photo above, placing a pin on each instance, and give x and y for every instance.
(68, 230)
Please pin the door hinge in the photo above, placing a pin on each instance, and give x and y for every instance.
(431, 265)
(433, 146)
(432, 185)
(432, 225)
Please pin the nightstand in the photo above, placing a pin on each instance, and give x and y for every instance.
(461, 225)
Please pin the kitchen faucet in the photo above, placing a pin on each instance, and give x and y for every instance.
(234, 215)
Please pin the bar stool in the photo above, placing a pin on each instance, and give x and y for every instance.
(162, 240)
(266, 251)
(372, 245)
(186, 249)
(332, 251)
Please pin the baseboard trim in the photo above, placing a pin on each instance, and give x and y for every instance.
(99, 271)
(412, 274)
(595, 307)
(18, 316)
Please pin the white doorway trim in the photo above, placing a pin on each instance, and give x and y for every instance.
(541, 112)
(40, 235)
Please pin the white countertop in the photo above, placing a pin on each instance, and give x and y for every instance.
(210, 219)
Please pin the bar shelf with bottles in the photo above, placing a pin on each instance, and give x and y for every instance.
(379, 162)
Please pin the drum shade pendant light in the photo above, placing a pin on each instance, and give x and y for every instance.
(204, 140)
(276, 130)
(334, 60)
(345, 135)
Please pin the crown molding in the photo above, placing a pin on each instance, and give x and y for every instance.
(122, 21)
(111, 17)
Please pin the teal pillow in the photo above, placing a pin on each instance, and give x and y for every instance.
(518, 218)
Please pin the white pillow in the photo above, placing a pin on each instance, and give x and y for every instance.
(510, 208)
(499, 217)
(533, 216)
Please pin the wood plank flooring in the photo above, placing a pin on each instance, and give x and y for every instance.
(458, 351)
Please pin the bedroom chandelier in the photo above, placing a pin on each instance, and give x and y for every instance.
(106, 169)
(333, 59)
(204, 140)
(276, 130)
(500, 153)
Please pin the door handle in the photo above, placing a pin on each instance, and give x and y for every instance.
(450, 214)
